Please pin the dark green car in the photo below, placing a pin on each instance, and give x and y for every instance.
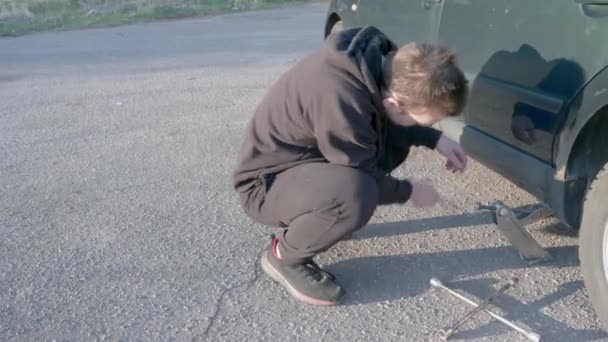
(538, 107)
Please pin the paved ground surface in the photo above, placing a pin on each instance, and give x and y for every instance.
(118, 221)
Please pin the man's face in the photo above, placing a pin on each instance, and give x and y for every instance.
(403, 117)
(428, 117)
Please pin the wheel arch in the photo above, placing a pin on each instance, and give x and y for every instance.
(581, 150)
(332, 19)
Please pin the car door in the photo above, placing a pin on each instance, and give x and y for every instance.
(526, 60)
(403, 21)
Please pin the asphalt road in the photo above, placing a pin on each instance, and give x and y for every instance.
(118, 221)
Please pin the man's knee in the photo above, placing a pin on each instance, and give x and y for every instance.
(359, 197)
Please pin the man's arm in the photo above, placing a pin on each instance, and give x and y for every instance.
(342, 125)
(413, 136)
(405, 137)
(425, 136)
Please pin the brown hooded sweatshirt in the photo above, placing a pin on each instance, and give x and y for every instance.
(328, 108)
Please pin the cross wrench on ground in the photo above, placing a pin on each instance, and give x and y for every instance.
(530, 335)
(447, 332)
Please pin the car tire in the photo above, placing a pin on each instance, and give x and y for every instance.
(593, 244)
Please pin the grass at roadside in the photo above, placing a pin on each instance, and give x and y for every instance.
(18, 17)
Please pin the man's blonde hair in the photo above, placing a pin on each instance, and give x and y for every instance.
(426, 76)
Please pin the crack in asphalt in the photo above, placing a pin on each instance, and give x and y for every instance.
(245, 284)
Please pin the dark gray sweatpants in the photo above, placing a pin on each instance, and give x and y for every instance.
(317, 204)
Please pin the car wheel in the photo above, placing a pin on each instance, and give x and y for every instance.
(593, 245)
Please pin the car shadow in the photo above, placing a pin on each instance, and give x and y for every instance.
(422, 225)
(559, 229)
(476, 219)
(387, 278)
(378, 279)
(530, 313)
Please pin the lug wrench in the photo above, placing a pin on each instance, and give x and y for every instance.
(529, 334)
(447, 332)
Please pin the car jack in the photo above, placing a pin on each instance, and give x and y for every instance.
(512, 222)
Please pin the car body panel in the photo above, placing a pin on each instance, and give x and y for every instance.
(420, 17)
(533, 67)
(343, 9)
(528, 61)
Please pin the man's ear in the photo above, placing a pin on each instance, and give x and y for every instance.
(390, 101)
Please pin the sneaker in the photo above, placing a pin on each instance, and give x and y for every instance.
(307, 282)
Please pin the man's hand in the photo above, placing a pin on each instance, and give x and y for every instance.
(423, 195)
(456, 158)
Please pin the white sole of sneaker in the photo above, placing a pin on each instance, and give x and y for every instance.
(274, 274)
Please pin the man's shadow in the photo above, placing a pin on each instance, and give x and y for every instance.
(545, 89)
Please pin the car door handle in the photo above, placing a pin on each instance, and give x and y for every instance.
(594, 8)
(592, 2)
(428, 4)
